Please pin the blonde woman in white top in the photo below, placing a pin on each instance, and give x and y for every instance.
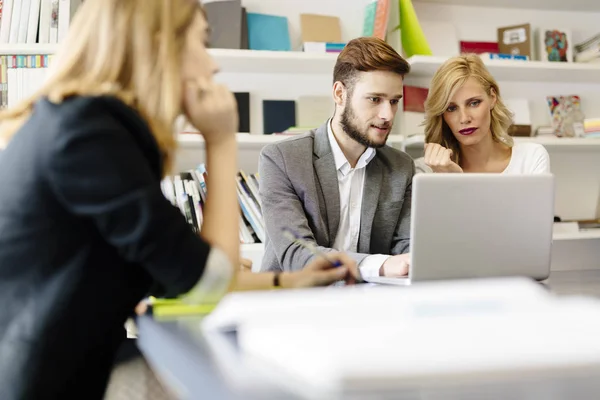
(466, 125)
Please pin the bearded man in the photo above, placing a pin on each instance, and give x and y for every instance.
(340, 187)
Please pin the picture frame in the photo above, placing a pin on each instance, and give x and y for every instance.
(555, 44)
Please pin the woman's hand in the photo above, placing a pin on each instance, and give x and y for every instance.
(210, 108)
(245, 265)
(439, 158)
(321, 272)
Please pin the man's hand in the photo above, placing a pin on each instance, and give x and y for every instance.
(321, 272)
(396, 266)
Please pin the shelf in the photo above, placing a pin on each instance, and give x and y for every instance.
(512, 70)
(26, 49)
(580, 235)
(190, 140)
(572, 5)
(567, 143)
(262, 61)
(546, 141)
(230, 60)
(193, 140)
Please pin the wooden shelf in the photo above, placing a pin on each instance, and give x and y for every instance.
(573, 5)
(512, 70)
(260, 61)
(26, 49)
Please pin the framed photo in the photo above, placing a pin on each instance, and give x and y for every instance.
(555, 45)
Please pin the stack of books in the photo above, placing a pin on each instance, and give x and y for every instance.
(36, 21)
(187, 191)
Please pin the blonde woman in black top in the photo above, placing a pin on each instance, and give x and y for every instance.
(85, 231)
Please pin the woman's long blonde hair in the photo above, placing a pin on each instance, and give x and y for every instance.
(446, 81)
(129, 49)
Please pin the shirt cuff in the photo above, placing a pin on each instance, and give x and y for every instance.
(369, 267)
(214, 282)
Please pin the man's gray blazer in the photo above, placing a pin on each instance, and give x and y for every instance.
(299, 190)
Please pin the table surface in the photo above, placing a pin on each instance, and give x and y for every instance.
(195, 365)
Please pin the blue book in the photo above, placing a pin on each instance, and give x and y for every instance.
(503, 56)
(268, 32)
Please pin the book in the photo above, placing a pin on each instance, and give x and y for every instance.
(268, 32)
(225, 20)
(478, 47)
(382, 15)
(7, 7)
(413, 98)
(243, 107)
(322, 47)
(504, 56)
(244, 41)
(320, 28)
(516, 40)
(369, 21)
(312, 111)
(278, 115)
(33, 22)
(188, 192)
(66, 11)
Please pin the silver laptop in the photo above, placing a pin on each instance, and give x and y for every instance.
(479, 225)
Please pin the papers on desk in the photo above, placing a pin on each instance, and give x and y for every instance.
(342, 339)
(241, 309)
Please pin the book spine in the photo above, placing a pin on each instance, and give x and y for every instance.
(504, 56)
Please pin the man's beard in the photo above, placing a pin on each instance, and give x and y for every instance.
(347, 122)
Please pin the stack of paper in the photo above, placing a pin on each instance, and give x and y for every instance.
(345, 339)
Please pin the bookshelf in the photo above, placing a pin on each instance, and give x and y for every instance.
(262, 61)
(519, 71)
(255, 251)
(195, 140)
(573, 5)
(229, 60)
(28, 49)
(581, 235)
(191, 149)
(550, 142)
(297, 62)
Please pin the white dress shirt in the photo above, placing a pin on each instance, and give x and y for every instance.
(351, 183)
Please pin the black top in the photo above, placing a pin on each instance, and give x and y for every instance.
(84, 232)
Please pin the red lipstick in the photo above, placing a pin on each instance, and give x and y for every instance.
(467, 131)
